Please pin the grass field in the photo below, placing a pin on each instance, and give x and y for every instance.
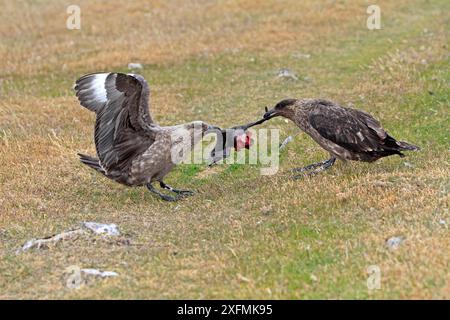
(242, 235)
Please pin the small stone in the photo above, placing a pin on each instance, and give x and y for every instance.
(75, 277)
(287, 74)
(44, 242)
(408, 164)
(301, 55)
(134, 65)
(101, 228)
(94, 227)
(394, 242)
(99, 273)
(313, 278)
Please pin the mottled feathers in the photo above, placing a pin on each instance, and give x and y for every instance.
(354, 130)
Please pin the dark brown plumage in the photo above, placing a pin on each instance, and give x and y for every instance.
(131, 148)
(346, 133)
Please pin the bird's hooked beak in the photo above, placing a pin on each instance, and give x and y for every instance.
(270, 113)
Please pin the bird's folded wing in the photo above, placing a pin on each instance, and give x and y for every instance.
(354, 132)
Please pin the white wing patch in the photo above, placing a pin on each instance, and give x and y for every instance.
(98, 86)
(360, 135)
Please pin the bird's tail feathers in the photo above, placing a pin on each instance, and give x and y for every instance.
(407, 146)
(92, 162)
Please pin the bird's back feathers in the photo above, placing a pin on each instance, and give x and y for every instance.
(354, 130)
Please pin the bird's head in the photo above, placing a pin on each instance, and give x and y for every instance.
(285, 108)
(200, 128)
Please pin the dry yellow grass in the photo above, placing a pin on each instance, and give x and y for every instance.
(242, 235)
(167, 31)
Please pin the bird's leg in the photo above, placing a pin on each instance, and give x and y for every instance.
(310, 167)
(317, 167)
(163, 196)
(177, 191)
(326, 164)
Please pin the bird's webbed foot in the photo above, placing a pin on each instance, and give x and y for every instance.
(179, 192)
(163, 196)
(309, 167)
(315, 168)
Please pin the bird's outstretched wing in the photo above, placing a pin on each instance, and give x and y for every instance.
(349, 128)
(123, 127)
